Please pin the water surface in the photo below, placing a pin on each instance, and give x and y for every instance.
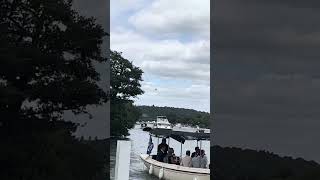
(139, 142)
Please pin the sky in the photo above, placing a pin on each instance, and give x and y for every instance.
(170, 41)
(267, 78)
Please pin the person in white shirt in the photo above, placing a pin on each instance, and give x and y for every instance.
(195, 160)
(203, 159)
(186, 161)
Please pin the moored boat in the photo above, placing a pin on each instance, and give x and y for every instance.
(162, 122)
(178, 125)
(147, 126)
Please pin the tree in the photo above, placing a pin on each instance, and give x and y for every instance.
(47, 47)
(172, 117)
(125, 85)
(125, 78)
(47, 51)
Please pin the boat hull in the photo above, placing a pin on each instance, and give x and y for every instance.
(174, 172)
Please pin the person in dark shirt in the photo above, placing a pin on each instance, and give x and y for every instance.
(193, 154)
(197, 151)
(161, 154)
(163, 144)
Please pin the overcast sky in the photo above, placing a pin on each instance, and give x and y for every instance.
(267, 78)
(170, 41)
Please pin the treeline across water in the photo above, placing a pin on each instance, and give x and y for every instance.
(176, 115)
(243, 164)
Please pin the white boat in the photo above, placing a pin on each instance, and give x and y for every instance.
(151, 124)
(199, 130)
(162, 122)
(178, 125)
(147, 126)
(173, 172)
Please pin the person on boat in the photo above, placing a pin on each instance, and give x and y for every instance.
(195, 161)
(163, 144)
(193, 155)
(203, 159)
(197, 151)
(178, 161)
(150, 146)
(169, 158)
(161, 154)
(175, 159)
(186, 161)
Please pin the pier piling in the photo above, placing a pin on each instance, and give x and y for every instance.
(122, 160)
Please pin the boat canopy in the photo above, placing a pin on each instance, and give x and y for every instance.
(180, 136)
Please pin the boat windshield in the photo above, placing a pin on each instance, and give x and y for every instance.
(163, 122)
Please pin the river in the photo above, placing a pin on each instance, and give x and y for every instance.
(139, 142)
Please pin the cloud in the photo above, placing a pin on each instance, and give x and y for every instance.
(169, 41)
(120, 7)
(171, 18)
(165, 58)
(193, 91)
(194, 96)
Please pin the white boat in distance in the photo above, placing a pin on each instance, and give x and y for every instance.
(178, 125)
(151, 124)
(174, 172)
(147, 126)
(162, 122)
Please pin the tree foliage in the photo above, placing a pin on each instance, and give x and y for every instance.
(125, 78)
(47, 51)
(176, 115)
(124, 87)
